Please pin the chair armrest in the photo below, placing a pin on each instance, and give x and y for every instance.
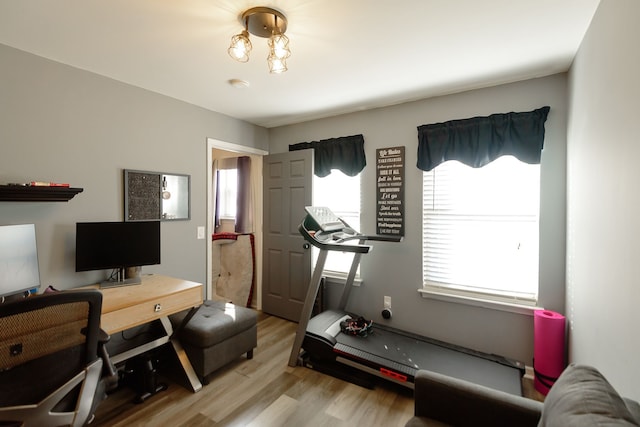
(460, 403)
(109, 372)
(103, 337)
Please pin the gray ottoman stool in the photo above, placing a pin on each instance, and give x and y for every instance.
(217, 334)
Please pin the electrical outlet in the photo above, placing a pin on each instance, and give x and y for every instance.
(200, 232)
(387, 302)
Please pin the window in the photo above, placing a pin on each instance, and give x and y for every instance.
(341, 194)
(228, 187)
(480, 230)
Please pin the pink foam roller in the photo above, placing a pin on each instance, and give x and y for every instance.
(548, 348)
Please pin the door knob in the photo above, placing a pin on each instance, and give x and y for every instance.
(306, 246)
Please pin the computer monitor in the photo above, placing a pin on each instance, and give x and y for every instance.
(19, 271)
(117, 245)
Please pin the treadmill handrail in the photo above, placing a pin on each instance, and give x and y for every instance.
(372, 238)
(330, 244)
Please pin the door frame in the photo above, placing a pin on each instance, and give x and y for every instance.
(240, 149)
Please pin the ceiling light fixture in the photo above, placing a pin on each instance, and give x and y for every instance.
(267, 23)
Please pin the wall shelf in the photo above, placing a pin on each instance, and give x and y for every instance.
(18, 193)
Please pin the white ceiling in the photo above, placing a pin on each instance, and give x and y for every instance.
(347, 55)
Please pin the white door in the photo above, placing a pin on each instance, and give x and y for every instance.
(287, 180)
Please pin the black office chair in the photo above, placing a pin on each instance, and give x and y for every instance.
(54, 369)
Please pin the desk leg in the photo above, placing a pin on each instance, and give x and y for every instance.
(196, 385)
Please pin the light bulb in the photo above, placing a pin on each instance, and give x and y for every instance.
(276, 65)
(279, 46)
(240, 47)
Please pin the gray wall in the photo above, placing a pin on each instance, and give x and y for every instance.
(603, 198)
(62, 124)
(396, 269)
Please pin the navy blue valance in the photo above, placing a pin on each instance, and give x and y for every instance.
(480, 140)
(345, 154)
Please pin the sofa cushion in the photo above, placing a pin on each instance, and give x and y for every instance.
(583, 397)
(634, 408)
(424, 422)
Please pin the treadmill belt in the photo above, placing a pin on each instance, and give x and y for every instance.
(407, 354)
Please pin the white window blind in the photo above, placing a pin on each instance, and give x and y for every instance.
(480, 230)
(341, 194)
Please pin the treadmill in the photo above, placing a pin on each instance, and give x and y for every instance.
(384, 352)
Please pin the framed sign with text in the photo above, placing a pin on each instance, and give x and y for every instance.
(390, 191)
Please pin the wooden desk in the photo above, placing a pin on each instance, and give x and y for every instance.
(155, 298)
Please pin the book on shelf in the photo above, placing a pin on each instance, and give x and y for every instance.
(47, 184)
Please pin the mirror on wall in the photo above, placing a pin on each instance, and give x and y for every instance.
(156, 195)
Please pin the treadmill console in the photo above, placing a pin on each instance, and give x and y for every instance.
(326, 230)
(325, 218)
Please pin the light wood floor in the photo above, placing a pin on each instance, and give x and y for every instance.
(264, 392)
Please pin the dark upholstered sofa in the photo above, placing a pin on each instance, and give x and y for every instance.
(580, 397)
